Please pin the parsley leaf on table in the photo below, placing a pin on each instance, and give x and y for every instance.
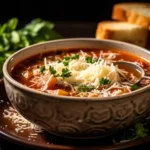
(140, 130)
(136, 131)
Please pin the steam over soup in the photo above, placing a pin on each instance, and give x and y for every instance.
(81, 73)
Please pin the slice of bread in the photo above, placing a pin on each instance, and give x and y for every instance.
(122, 31)
(136, 13)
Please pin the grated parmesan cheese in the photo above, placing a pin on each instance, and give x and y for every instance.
(87, 73)
(18, 121)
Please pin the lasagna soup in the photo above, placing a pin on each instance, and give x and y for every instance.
(81, 72)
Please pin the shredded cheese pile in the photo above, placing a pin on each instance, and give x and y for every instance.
(87, 73)
(18, 121)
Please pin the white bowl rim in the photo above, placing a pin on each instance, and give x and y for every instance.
(66, 98)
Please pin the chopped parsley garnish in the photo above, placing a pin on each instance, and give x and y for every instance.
(134, 87)
(89, 59)
(52, 70)
(65, 73)
(104, 81)
(65, 63)
(76, 56)
(67, 58)
(59, 61)
(85, 88)
(57, 75)
(42, 69)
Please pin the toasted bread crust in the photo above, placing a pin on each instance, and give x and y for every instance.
(121, 14)
(137, 35)
(102, 33)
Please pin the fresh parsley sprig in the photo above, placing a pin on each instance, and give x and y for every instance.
(66, 59)
(91, 60)
(136, 131)
(85, 88)
(65, 72)
(88, 59)
(13, 39)
(75, 56)
(66, 63)
(140, 130)
(42, 69)
(52, 70)
(104, 81)
(134, 87)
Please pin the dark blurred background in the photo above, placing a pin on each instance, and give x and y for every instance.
(72, 18)
(58, 10)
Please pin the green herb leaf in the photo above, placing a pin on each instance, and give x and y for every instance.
(52, 70)
(42, 69)
(76, 56)
(85, 88)
(2, 28)
(67, 58)
(65, 63)
(89, 59)
(134, 87)
(104, 81)
(57, 75)
(13, 39)
(65, 73)
(12, 24)
(137, 130)
(140, 130)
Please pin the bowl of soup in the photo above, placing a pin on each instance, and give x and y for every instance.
(72, 87)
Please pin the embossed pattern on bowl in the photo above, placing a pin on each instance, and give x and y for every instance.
(78, 117)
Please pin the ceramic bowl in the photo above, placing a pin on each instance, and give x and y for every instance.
(74, 117)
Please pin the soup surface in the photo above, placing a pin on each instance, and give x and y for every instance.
(81, 72)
